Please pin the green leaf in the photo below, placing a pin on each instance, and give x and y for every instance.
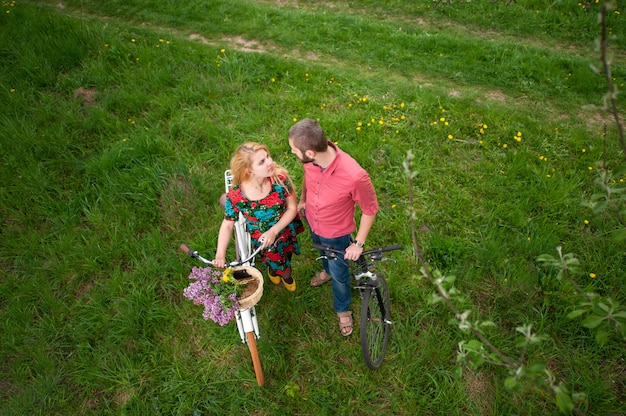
(592, 321)
(618, 235)
(564, 403)
(537, 366)
(621, 314)
(602, 337)
(521, 342)
(546, 258)
(511, 383)
(575, 314)
(619, 171)
(474, 345)
(434, 299)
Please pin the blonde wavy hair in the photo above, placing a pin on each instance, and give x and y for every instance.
(241, 163)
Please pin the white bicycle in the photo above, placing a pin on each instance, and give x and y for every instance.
(246, 316)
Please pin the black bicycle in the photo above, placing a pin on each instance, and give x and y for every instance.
(375, 319)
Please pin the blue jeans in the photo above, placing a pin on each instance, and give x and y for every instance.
(338, 270)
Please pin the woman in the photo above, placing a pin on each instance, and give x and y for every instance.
(264, 193)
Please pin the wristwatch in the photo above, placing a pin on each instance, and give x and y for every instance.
(359, 244)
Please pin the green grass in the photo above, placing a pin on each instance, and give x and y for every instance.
(116, 125)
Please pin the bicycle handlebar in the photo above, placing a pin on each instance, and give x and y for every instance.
(365, 253)
(194, 254)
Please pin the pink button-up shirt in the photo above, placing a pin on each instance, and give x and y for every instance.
(332, 194)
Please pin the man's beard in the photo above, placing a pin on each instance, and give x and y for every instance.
(306, 159)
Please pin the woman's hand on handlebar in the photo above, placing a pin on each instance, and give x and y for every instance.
(267, 238)
(219, 262)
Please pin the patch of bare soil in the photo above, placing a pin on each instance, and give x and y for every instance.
(245, 45)
(202, 39)
(87, 95)
(480, 390)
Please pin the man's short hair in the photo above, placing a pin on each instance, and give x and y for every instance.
(307, 134)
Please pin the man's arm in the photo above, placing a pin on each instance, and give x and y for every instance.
(353, 252)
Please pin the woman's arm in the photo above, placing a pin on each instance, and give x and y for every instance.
(223, 238)
(302, 203)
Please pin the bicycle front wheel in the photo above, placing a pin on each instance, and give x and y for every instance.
(375, 323)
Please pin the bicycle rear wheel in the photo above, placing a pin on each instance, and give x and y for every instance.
(375, 322)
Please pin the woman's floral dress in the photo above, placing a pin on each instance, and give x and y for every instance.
(261, 215)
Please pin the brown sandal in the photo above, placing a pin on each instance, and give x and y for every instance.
(344, 325)
(320, 278)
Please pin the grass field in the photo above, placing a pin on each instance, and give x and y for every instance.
(118, 119)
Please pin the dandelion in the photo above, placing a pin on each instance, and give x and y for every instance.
(442, 119)
(592, 275)
(132, 40)
(401, 105)
(450, 137)
(393, 206)
(294, 119)
(590, 168)
(402, 117)
(12, 90)
(222, 50)
(359, 123)
(505, 146)
(586, 222)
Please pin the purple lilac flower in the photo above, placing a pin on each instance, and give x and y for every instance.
(220, 309)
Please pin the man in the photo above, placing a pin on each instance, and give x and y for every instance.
(334, 183)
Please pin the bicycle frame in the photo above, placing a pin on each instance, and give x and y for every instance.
(246, 318)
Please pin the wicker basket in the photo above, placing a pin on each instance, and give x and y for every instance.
(253, 289)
